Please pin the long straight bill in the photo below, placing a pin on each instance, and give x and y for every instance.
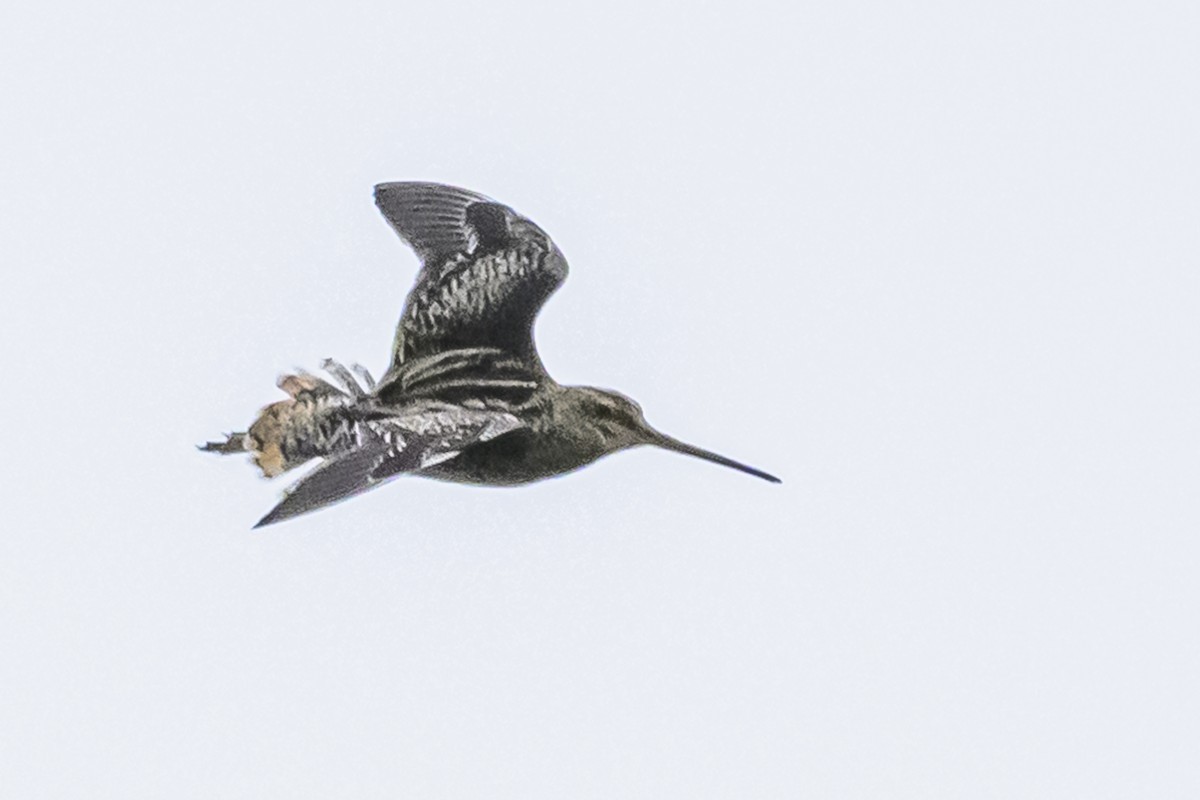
(670, 443)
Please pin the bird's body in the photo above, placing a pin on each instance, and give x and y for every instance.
(550, 442)
(466, 397)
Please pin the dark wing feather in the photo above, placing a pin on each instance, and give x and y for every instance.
(430, 217)
(336, 479)
(485, 275)
(428, 434)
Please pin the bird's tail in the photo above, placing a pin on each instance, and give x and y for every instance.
(314, 421)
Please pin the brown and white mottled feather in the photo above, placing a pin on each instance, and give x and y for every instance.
(386, 445)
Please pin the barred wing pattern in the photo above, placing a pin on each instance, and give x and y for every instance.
(425, 434)
(464, 340)
(486, 272)
(429, 217)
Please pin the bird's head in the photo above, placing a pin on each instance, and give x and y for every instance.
(619, 423)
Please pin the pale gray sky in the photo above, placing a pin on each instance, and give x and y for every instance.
(934, 264)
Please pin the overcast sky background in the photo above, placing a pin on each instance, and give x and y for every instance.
(932, 263)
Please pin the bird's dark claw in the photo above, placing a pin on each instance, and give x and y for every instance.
(234, 443)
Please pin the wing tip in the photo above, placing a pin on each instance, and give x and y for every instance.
(276, 514)
(383, 190)
(392, 187)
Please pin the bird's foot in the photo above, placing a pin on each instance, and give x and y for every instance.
(234, 443)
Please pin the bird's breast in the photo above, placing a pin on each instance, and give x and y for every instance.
(519, 457)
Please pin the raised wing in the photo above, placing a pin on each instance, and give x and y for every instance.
(486, 272)
(426, 434)
(429, 217)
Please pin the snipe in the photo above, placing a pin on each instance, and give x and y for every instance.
(466, 397)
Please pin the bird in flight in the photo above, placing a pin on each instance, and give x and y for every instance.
(466, 397)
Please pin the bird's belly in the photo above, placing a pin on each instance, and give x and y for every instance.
(517, 458)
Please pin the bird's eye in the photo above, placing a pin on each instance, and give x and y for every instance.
(604, 412)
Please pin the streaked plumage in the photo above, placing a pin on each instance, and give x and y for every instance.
(466, 397)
